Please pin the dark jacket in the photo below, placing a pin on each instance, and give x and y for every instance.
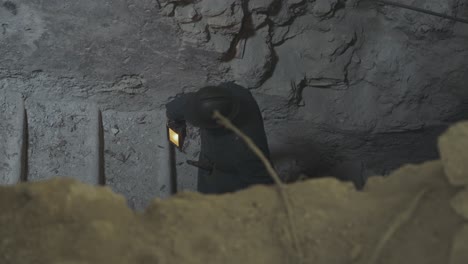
(235, 165)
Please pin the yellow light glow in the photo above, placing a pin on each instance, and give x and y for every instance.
(174, 137)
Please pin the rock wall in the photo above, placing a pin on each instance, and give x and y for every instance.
(352, 82)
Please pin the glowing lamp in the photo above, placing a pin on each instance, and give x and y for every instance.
(174, 137)
(176, 133)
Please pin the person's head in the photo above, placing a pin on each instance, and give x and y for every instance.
(201, 106)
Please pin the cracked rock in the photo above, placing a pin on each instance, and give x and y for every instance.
(258, 20)
(324, 7)
(131, 84)
(302, 46)
(256, 63)
(212, 8)
(186, 14)
(279, 35)
(260, 5)
(453, 146)
(290, 10)
(422, 26)
(176, 2)
(219, 43)
(210, 22)
(195, 32)
(230, 21)
(460, 204)
(296, 2)
(283, 17)
(168, 10)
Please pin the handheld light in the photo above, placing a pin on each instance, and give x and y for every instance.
(176, 132)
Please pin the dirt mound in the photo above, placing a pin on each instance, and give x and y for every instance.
(404, 218)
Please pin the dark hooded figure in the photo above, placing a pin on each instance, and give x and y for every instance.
(231, 164)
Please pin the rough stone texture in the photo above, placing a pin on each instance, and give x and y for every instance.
(348, 82)
(368, 71)
(137, 156)
(460, 204)
(68, 50)
(198, 33)
(252, 68)
(335, 224)
(230, 22)
(213, 8)
(186, 14)
(260, 5)
(452, 147)
(331, 45)
(64, 140)
(12, 137)
(324, 7)
(187, 174)
(459, 253)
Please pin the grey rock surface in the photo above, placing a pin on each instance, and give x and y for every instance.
(186, 14)
(69, 50)
(260, 5)
(230, 21)
(136, 155)
(452, 147)
(64, 140)
(314, 44)
(197, 33)
(12, 138)
(212, 8)
(459, 253)
(460, 204)
(187, 174)
(253, 68)
(324, 7)
(352, 84)
(127, 151)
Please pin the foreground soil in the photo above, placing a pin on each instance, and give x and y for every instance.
(64, 221)
(417, 215)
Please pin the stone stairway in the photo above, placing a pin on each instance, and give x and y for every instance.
(12, 139)
(136, 153)
(63, 140)
(127, 151)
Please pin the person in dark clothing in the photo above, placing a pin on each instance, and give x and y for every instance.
(233, 165)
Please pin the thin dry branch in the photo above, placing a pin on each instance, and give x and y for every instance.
(281, 187)
(399, 221)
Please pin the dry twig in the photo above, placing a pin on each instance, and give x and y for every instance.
(281, 187)
(399, 221)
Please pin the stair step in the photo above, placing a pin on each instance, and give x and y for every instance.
(64, 140)
(137, 155)
(128, 151)
(12, 143)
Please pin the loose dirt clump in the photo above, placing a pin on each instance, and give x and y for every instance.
(415, 216)
(64, 221)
